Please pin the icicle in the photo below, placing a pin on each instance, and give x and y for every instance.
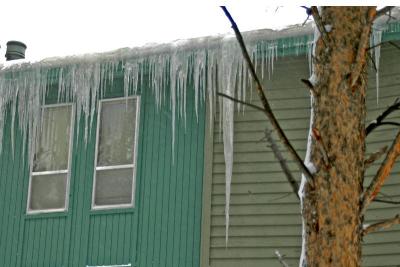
(376, 40)
(228, 83)
(215, 62)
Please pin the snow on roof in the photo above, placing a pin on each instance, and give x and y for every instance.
(208, 42)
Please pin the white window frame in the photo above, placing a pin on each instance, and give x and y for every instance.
(67, 171)
(115, 167)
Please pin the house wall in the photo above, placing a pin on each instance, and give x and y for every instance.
(163, 229)
(265, 214)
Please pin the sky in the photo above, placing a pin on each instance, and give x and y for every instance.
(58, 28)
(61, 28)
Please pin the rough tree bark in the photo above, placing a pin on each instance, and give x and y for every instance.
(332, 207)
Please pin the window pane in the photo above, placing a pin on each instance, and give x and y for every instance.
(48, 191)
(53, 143)
(113, 187)
(117, 132)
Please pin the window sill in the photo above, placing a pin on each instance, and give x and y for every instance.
(43, 215)
(112, 211)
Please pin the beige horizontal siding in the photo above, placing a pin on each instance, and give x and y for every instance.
(265, 214)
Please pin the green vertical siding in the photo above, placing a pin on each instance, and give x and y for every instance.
(163, 229)
(12, 203)
(170, 195)
(265, 214)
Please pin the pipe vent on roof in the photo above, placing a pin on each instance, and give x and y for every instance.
(15, 50)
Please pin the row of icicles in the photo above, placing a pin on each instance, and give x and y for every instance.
(215, 66)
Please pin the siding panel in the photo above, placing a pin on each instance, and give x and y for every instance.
(265, 214)
(163, 229)
(170, 180)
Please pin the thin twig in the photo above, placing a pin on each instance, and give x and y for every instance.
(390, 123)
(374, 156)
(379, 120)
(373, 62)
(280, 258)
(308, 12)
(382, 174)
(381, 225)
(383, 11)
(279, 198)
(362, 47)
(386, 201)
(265, 103)
(293, 183)
(382, 43)
(394, 44)
(374, 46)
(320, 25)
(241, 102)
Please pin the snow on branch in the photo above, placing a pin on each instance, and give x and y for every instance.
(381, 225)
(382, 174)
(280, 258)
(310, 86)
(379, 120)
(264, 101)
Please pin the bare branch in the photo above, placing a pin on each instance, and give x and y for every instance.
(390, 123)
(373, 62)
(280, 258)
(386, 201)
(382, 43)
(308, 12)
(381, 225)
(394, 44)
(241, 102)
(378, 122)
(320, 25)
(374, 156)
(265, 103)
(362, 47)
(293, 183)
(383, 11)
(383, 172)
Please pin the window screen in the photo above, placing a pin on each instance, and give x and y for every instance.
(48, 183)
(115, 159)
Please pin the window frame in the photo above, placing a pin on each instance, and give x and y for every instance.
(67, 171)
(95, 207)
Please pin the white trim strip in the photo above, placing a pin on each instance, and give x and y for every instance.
(120, 265)
(32, 212)
(49, 172)
(113, 167)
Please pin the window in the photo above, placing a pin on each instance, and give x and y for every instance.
(49, 179)
(117, 126)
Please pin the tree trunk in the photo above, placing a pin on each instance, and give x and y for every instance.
(331, 210)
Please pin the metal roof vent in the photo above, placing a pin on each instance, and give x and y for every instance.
(15, 50)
